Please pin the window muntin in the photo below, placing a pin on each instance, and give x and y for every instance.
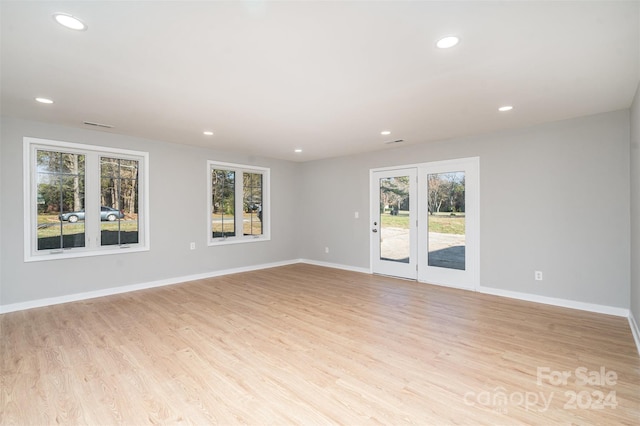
(238, 203)
(65, 189)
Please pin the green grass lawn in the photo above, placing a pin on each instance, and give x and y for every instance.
(251, 224)
(401, 220)
(446, 224)
(125, 226)
(47, 218)
(52, 228)
(67, 229)
(440, 222)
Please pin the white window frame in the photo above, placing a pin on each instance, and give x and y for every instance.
(92, 199)
(266, 204)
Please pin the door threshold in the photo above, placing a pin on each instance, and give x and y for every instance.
(393, 276)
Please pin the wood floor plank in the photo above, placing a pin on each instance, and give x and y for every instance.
(303, 344)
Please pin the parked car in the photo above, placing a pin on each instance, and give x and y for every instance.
(106, 214)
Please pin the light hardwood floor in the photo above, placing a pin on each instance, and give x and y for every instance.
(303, 344)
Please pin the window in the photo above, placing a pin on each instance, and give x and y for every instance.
(83, 200)
(238, 203)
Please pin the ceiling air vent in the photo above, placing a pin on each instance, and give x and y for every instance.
(396, 141)
(104, 126)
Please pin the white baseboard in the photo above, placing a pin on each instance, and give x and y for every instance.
(127, 288)
(565, 303)
(448, 285)
(336, 266)
(610, 310)
(634, 330)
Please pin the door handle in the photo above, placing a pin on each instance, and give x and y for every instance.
(374, 230)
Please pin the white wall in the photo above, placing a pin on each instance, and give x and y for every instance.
(178, 203)
(635, 207)
(553, 198)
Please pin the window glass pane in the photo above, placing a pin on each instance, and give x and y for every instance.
(252, 203)
(49, 227)
(60, 181)
(223, 199)
(49, 161)
(446, 221)
(109, 167)
(119, 223)
(71, 164)
(395, 242)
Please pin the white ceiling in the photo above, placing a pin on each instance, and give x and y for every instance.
(327, 77)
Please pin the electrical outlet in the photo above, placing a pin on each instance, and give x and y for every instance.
(326, 249)
(192, 246)
(538, 275)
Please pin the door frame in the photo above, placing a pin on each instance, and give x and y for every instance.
(469, 278)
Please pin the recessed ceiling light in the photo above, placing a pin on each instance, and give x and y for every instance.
(298, 150)
(385, 132)
(207, 133)
(70, 21)
(447, 42)
(505, 108)
(44, 100)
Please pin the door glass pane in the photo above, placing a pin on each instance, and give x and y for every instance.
(60, 199)
(252, 203)
(119, 201)
(446, 221)
(223, 201)
(394, 219)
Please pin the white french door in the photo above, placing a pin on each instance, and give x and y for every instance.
(393, 226)
(425, 222)
(448, 203)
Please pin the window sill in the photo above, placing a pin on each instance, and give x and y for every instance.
(236, 240)
(72, 254)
